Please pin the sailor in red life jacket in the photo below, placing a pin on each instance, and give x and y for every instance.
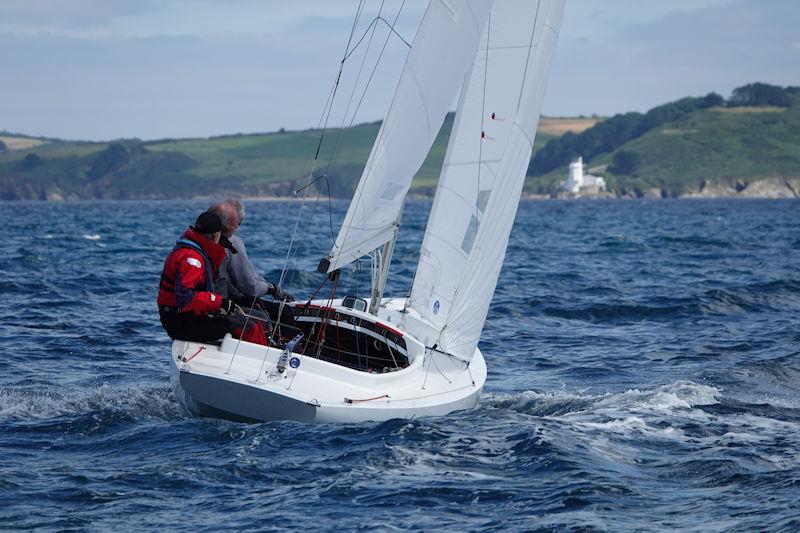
(189, 307)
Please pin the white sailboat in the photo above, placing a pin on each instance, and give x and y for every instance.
(398, 357)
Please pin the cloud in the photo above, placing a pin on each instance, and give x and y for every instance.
(194, 84)
(26, 16)
(101, 69)
(683, 52)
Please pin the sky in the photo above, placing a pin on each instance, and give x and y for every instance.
(108, 69)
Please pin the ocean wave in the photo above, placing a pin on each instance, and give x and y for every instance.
(621, 312)
(667, 380)
(680, 394)
(132, 402)
(636, 423)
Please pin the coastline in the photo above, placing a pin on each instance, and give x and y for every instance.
(764, 188)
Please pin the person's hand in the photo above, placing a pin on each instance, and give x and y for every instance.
(229, 307)
(281, 295)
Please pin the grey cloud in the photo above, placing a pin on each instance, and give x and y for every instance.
(32, 16)
(686, 52)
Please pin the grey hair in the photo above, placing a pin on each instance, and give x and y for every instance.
(238, 205)
(223, 214)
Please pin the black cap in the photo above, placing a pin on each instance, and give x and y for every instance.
(208, 223)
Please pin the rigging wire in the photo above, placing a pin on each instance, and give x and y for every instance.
(330, 207)
(335, 153)
(325, 118)
(353, 92)
(375, 67)
(360, 190)
(374, 22)
(323, 123)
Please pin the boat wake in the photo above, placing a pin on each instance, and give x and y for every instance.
(696, 422)
(154, 402)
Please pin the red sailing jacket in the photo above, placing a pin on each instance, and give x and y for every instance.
(187, 281)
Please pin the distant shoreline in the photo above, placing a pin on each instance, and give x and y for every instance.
(417, 197)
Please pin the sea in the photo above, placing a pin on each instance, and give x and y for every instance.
(643, 374)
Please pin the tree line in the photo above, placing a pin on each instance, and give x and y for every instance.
(610, 134)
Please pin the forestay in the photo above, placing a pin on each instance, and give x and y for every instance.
(484, 171)
(440, 56)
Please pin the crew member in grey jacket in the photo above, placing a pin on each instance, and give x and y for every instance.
(238, 279)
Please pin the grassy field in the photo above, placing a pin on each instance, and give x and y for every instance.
(718, 144)
(258, 164)
(20, 143)
(557, 126)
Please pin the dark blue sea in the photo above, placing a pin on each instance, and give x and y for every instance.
(644, 374)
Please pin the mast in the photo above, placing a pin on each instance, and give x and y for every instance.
(383, 274)
(440, 55)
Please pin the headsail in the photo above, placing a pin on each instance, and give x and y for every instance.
(439, 58)
(484, 171)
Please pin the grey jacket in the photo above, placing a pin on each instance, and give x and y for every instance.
(238, 277)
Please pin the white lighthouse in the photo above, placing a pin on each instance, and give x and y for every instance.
(577, 180)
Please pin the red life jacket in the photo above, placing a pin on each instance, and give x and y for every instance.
(187, 280)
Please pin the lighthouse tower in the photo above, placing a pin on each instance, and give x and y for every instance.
(575, 180)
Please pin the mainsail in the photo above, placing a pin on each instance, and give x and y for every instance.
(484, 171)
(440, 56)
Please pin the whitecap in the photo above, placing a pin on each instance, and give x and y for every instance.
(137, 402)
(92, 237)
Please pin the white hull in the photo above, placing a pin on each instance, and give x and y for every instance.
(210, 380)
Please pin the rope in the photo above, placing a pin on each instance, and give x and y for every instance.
(349, 401)
(440, 371)
(425, 381)
(330, 207)
(325, 316)
(186, 360)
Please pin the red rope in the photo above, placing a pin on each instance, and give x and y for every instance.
(348, 400)
(338, 345)
(200, 349)
(329, 308)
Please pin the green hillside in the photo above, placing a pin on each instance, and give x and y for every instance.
(720, 145)
(727, 146)
(696, 145)
(271, 164)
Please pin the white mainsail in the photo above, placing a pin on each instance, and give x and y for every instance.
(484, 171)
(440, 56)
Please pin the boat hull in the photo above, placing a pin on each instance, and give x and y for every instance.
(217, 397)
(240, 381)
